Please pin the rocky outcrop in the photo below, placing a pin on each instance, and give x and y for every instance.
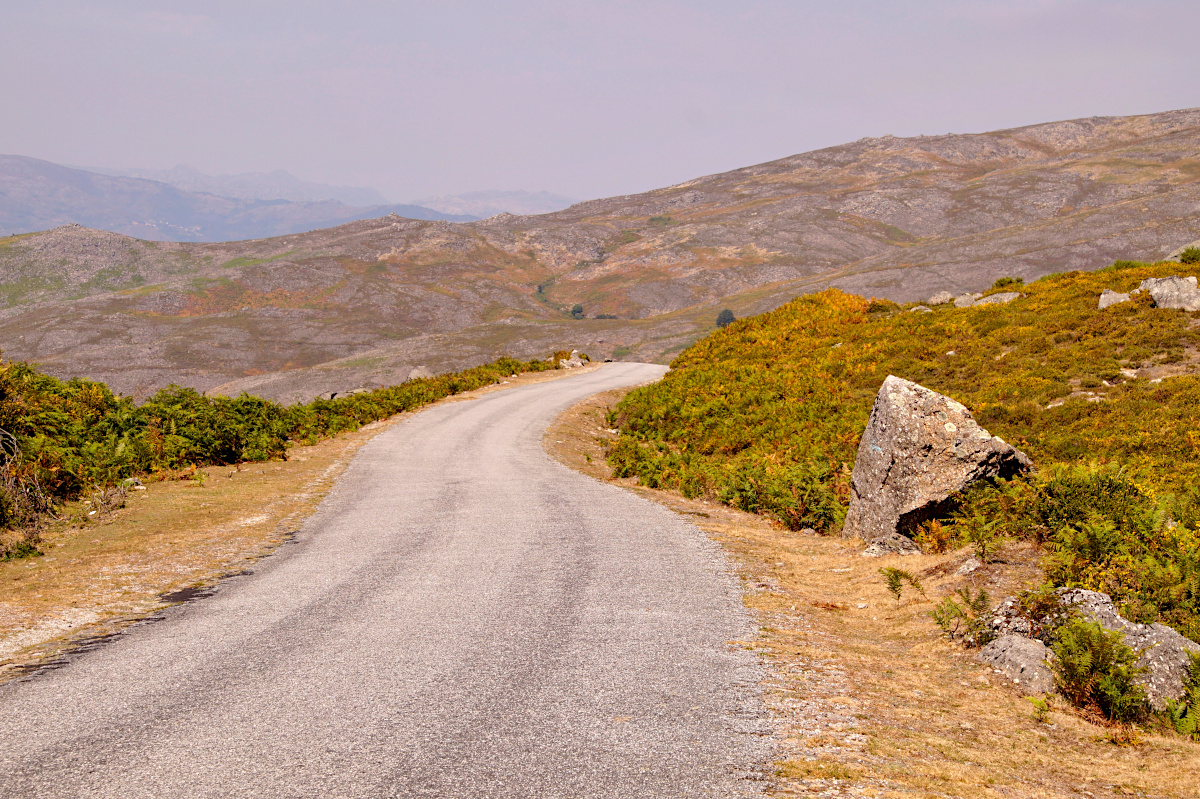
(920, 309)
(571, 362)
(1021, 660)
(1173, 292)
(1164, 651)
(918, 450)
(966, 300)
(941, 298)
(1109, 297)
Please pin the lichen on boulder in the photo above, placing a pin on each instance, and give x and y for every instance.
(920, 448)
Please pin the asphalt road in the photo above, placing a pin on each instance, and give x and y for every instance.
(463, 617)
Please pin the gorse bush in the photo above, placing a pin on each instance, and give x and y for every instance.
(766, 415)
(61, 438)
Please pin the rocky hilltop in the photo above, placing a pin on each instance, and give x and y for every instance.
(367, 302)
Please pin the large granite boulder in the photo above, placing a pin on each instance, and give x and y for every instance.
(1164, 651)
(919, 449)
(1173, 292)
(1021, 660)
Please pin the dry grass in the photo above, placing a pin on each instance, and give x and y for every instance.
(872, 701)
(104, 571)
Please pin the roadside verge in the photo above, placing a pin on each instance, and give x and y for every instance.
(869, 698)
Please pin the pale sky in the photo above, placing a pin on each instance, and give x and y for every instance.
(586, 99)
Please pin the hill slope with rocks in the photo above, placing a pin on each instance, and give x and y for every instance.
(366, 302)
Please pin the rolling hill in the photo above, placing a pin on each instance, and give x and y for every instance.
(366, 302)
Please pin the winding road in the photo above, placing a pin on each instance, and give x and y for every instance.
(462, 617)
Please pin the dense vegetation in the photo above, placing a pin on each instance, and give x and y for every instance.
(61, 438)
(766, 415)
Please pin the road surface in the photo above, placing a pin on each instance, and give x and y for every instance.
(463, 617)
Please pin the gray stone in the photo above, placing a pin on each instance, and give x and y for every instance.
(966, 300)
(1021, 660)
(1173, 292)
(1109, 297)
(418, 372)
(920, 309)
(1164, 651)
(919, 448)
(891, 544)
(1002, 298)
(941, 298)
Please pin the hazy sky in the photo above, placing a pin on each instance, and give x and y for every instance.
(586, 99)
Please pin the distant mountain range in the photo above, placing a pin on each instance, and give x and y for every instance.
(367, 302)
(277, 185)
(37, 195)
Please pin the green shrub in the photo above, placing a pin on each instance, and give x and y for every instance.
(1008, 283)
(1184, 715)
(1189, 256)
(895, 579)
(725, 318)
(1094, 669)
(969, 621)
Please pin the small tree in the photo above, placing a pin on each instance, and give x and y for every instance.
(577, 311)
(725, 317)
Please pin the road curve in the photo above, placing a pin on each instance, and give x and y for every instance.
(463, 617)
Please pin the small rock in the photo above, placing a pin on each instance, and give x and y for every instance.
(1109, 297)
(970, 565)
(419, 372)
(892, 544)
(920, 309)
(964, 301)
(808, 531)
(1022, 660)
(941, 298)
(998, 299)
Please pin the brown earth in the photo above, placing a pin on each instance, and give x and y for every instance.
(367, 302)
(869, 698)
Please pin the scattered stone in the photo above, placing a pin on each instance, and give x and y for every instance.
(968, 566)
(920, 309)
(1173, 292)
(1022, 660)
(1109, 297)
(941, 298)
(891, 544)
(966, 300)
(919, 449)
(808, 531)
(419, 372)
(1002, 298)
(1164, 651)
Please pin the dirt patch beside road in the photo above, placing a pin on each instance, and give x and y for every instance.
(870, 699)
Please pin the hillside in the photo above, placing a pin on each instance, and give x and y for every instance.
(766, 415)
(36, 195)
(367, 302)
